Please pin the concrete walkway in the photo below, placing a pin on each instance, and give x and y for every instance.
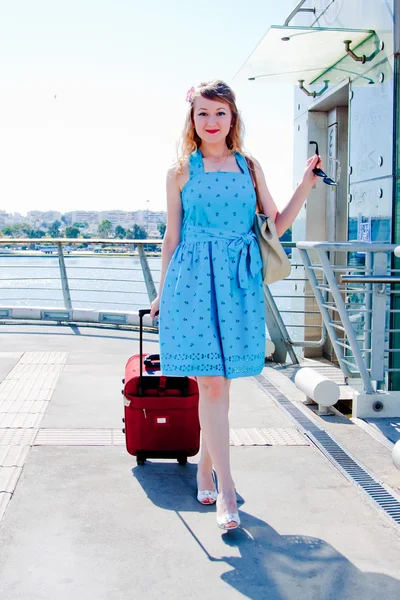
(84, 522)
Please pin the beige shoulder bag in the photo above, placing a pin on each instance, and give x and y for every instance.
(276, 265)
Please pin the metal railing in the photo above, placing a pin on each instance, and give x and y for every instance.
(354, 294)
(112, 291)
(318, 299)
(344, 294)
(293, 323)
(301, 331)
(66, 286)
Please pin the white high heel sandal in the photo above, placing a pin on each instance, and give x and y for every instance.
(207, 496)
(228, 521)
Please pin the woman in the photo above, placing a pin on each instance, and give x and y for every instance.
(211, 296)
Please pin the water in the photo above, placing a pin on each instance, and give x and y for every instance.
(106, 283)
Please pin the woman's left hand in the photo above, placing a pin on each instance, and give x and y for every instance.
(308, 177)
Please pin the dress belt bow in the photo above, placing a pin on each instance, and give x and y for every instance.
(243, 246)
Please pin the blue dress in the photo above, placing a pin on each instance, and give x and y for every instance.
(212, 319)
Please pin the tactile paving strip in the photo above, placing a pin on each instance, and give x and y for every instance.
(5, 498)
(118, 437)
(74, 437)
(32, 378)
(24, 421)
(49, 358)
(288, 436)
(25, 393)
(13, 456)
(27, 387)
(17, 437)
(8, 478)
(23, 406)
(285, 436)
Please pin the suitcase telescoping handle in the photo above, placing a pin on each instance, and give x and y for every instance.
(142, 312)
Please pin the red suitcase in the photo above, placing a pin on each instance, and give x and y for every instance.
(161, 412)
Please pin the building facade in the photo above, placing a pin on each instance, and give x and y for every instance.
(126, 219)
(91, 217)
(354, 121)
(39, 216)
(342, 56)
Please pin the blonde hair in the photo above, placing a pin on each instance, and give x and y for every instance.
(190, 141)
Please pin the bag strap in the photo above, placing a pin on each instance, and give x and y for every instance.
(250, 163)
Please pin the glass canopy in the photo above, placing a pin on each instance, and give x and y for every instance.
(290, 54)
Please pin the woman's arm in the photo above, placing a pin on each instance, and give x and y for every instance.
(284, 219)
(174, 223)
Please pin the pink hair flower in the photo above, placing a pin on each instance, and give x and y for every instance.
(190, 94)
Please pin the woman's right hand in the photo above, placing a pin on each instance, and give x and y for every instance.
(154, 308)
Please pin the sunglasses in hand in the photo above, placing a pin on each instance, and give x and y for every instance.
(319, 172)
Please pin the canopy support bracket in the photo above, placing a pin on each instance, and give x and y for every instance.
(313, 94)
(351, 53)
(379, 45)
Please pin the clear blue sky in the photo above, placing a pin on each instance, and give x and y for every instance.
(93, 96)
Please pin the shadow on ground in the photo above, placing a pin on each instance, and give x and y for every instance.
(270, 566)
(390, 427)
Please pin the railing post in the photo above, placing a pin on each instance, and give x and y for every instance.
(312, 278)
(368, 312)
(378, 320)
(148, 278)
(64, 277)
(330, 276)
(277, 330)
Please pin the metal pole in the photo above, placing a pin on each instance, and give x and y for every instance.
(64, 277)
(147, 276)
(378, 320)
(368, 314)
(396, 26)
(296, 10)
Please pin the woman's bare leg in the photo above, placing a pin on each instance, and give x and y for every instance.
(213, 412)
(204, 468)
(205, 479)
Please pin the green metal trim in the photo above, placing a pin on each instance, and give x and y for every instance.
(309, 29)
(394, 357)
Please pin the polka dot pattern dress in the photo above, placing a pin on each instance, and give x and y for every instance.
(212, 319)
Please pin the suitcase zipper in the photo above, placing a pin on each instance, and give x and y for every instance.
(144, 412)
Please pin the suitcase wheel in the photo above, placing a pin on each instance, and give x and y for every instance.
(123, 381)
(182, 460)
(140, 459)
